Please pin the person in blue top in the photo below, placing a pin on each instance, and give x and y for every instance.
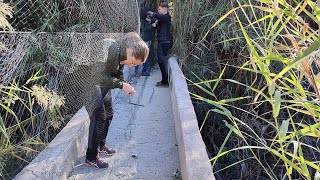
(163, 25)
(147, 33)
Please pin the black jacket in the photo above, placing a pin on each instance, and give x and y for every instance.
(163, 26)
(109, 74)
(147, 30)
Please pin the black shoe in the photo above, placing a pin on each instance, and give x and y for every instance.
(145, 74)
(106, 151)
(98, 164)
(161, 84)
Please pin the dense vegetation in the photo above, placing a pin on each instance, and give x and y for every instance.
(253, 70)
(29, 111)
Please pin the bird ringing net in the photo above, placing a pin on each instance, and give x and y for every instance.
(98, 16)
(48, 66)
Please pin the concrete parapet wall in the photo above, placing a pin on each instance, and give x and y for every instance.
(58, 158)
(194, 160)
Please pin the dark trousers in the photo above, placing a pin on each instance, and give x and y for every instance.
(162, 51)
(100, 120)
(146, 64)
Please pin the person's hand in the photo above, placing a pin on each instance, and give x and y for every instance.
(132, 93)
(148, 19)
(127, 88)
(150, 13)
(155, 24)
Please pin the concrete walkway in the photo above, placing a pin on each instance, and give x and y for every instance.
(142, 132)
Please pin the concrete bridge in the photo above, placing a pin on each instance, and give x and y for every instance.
(155, 133)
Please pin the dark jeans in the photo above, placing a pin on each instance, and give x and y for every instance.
(100, 121)
(146, 64)
(162, 51)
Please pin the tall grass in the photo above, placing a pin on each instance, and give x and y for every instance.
(22, 126)
(268, 109)
(5, 11)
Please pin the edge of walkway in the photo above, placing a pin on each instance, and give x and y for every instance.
(69, 144)
(194, 160)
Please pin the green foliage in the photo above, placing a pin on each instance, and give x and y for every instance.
(20, 134)
(264, 103)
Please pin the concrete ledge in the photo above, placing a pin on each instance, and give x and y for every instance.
(57, 160)
(194, 161)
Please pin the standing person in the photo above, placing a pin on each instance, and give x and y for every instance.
(147, 33)
(129, 50)
(163, 25)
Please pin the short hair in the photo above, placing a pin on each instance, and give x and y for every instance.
(164, 5)
(139, 48)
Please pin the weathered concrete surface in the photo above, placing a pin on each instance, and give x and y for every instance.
(142, 127)
(194, 160)
(143, 132)
(56, 161)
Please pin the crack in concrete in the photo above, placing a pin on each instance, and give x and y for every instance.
(134, 110)
(35, 175)
(151, 97)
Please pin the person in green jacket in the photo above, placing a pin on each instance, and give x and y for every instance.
(129, 50)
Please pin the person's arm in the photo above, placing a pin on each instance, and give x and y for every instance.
(113, 76)
(160, 17)
(108, 81)
(116, 81)
(119, 74)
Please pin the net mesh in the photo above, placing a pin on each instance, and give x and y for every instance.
(102, 16)
(48, 66)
